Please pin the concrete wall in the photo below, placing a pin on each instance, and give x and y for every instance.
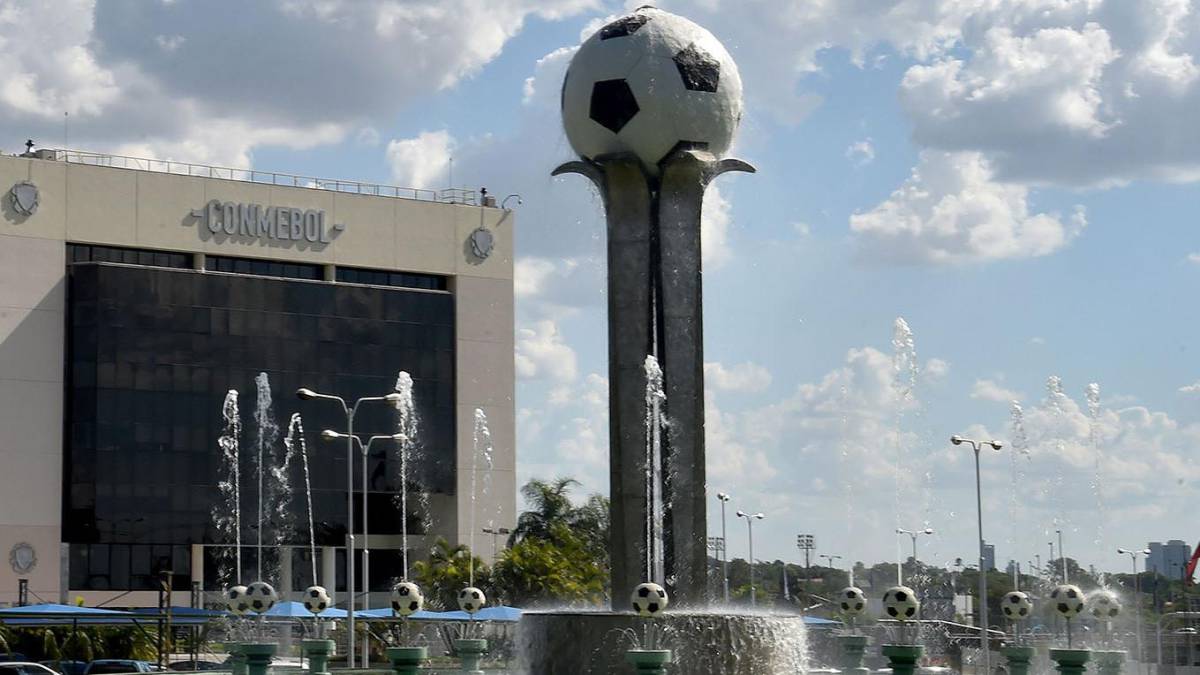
(122, 207)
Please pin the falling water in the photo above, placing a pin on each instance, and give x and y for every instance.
(278, 490)
(482, 444)
(1020, 447)
(655, 399)
(904, 383)
(406, 424)
(295, 437)
(1057, 402)
(227, 513)
(1092, 394)
(847, 469)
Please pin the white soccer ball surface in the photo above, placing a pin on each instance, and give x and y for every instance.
(900, 602)
(650, 599)
(235, 598)
(852, 601)
(648, 82)
(1104, 605)
(471, 600)
(1067, 600)
(261, 596)
(1016, 606)
(316, 599)
(407, 598)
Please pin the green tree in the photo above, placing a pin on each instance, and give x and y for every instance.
(448, 571)
(550, 505)
(561, 568)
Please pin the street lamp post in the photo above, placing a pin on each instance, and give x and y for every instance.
(495, 531)
(750, 536)
(1062, 553)
(808, 544)
(829, 562)
(913, 534)
(331, 435)
(724, 553)
(1137, 601)
(394, 399)
(983, 624)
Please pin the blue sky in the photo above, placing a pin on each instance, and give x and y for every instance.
(1018, 180)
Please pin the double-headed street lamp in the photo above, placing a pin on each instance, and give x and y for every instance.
(394, 399)
(750, 517)
(724, 554)
(913, 534)
(495, 532)
(983, 623)
(1137, 603)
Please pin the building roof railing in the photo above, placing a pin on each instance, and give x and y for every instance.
(446, 196)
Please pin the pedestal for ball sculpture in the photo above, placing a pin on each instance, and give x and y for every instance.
(650, 103)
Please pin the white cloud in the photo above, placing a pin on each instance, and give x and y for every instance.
(1190, 388)
(936, 370)
(1194, 258)
(990, 390)
(422, 162)
(1037, 340)
(744, 377)
(861, 152)
(714, 228)
(950, 210)
(542, 353)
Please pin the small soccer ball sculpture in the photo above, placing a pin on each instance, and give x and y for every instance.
(900, 602)
(407, 599)
(1104, 605)
(1016, 606)
(1067, 600)
(316, 599)
(648, 82)
(261, 596)
(471, 600)
(235, 598)
(650, 599)
(852, 601)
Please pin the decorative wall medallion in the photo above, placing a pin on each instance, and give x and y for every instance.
(24, 198)
(22, 558)
(482, 242)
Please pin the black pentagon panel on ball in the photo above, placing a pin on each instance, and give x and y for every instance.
(901, 596)
(1063, 608)
(1022, 611)
(413, 606)
(892, 611)
(909, 612)
(624, 26)
(699, 70)
(613, 104)
(846, 606)
(858, 606)
(652, 607)
(643, 591)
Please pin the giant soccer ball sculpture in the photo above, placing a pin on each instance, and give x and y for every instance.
(1104, 605)
(316, 599)
(1067, 600)
(407, 599)
(1016, 606)
(648, 82)
(900, 603)
(236, 600)
(852, 601)
(471, 600)
(261, 596)
(650, 599)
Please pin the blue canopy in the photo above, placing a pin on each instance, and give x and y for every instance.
(296, 610)
(183, 612)
(500, 613)
(818, 621)
(387, 613)
(54, 610)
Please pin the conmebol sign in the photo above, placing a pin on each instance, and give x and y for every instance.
(255, 221)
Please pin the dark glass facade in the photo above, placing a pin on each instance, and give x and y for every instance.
(151, 355)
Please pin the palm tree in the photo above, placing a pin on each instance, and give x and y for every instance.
(446, 572)
(550, 506)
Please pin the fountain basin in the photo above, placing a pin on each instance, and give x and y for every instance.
(1070, 661)
(1109, 662)
(1019, 658)
(652, 661)
(700, 642)
(902, 659)
(317, 652)
(407, 660)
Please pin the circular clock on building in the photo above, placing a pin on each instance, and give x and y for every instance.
(22, 558)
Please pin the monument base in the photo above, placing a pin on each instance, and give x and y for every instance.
(596, 643)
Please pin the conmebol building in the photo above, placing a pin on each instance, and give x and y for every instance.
(135, 294)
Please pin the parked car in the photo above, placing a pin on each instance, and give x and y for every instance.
(24, 668)
(106, 666)
(13, 656)
(67, 667)
(190, 666)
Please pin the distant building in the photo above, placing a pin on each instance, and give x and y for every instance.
(1013, 567)
(989, 557)
(1168, 559)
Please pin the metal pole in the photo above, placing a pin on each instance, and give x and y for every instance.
(724, 553)
(366, 554)
(807, 573)
(1050, 561)
(750, 535)
(350, 532)
(983, 637)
